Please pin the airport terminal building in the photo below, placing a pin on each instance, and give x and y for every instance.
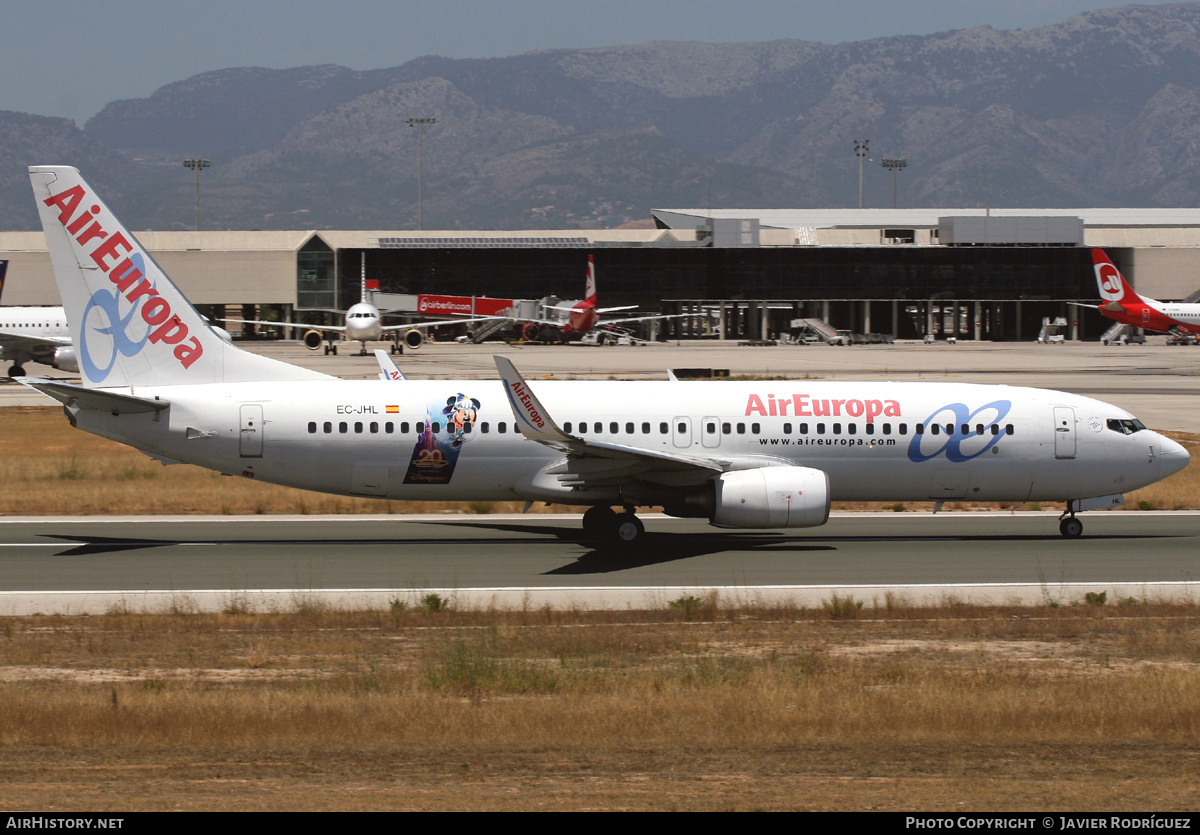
(735, 273)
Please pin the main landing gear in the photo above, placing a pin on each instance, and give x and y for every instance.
(611, 528)
(16, 371)
(1069, 525)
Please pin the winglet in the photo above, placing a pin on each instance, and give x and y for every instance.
(388, 369)
(535, 422)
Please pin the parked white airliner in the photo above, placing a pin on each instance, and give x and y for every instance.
(34, 333)
(364, 323)
(741, 454)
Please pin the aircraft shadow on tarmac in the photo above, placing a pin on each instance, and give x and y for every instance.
(655, 548)
(658, 548)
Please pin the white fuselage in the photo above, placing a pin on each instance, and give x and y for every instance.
(876, 441)
(34, 321)
(363, 323)
(37, 323)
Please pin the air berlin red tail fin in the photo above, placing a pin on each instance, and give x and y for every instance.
(590, 295)
(1112, 285)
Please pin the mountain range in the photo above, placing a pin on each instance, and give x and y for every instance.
(1099, 110)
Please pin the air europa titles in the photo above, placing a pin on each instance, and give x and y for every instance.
(165, 327)
(522, 397)
(801, 405)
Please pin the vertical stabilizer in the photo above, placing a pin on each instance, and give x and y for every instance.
(590, 295)
(3, 270)
(1112, 285)
(131, 325)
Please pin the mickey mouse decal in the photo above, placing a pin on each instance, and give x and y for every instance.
(461, 413)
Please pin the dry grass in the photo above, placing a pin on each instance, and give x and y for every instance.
(1076, 707)
(50, 469)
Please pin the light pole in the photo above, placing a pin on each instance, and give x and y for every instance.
(861, 148)
(896, 166)
(197, 165)
(419, 124)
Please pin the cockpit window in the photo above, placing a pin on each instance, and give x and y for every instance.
(1126, 427)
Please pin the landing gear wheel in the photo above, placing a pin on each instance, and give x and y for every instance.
(327, 349)
(333, 348)
(628, 529)
(16, 371)
(1070, 527)
(597, 521)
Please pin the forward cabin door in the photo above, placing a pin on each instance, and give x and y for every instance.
(1064, 432)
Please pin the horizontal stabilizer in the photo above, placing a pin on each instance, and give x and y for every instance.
(100, 400)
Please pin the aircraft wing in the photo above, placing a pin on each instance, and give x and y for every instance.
(596, 462)
(570, 307)
(438, 322)
(603, 322)
(24, 340)
(337, 328)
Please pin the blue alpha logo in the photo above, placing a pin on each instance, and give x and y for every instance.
(954, 430)
(106, 331)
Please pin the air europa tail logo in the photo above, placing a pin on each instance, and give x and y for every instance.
(128, 276)
(802, 405)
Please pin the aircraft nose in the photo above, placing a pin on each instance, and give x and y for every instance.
(1174, 457)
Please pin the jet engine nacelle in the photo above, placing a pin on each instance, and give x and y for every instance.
(65, 359)
(771, 497)
(413, 339)
(313, 340)
(532, 332)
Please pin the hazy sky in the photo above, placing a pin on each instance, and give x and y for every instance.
(71, 57)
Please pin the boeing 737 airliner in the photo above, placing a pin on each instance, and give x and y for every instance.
(156, 376)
